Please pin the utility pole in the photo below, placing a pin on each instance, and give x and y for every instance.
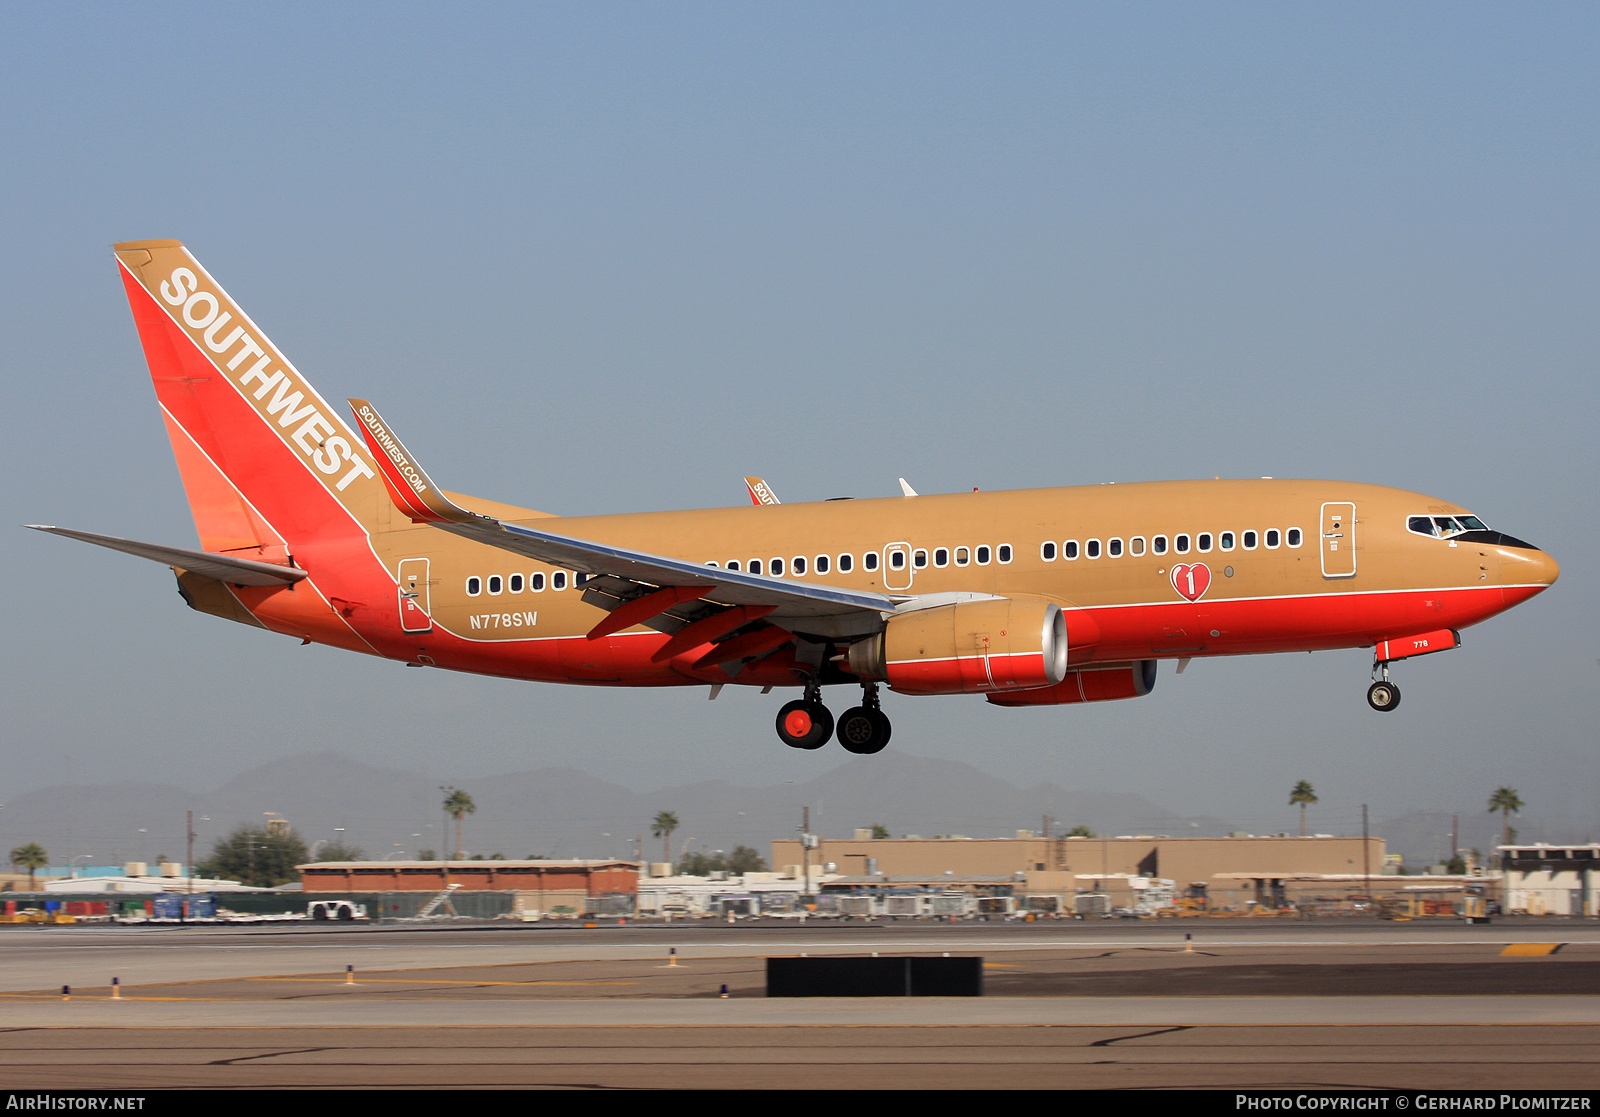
(189, 856)
(1455, 837)
(805, 848)
(1366, 868)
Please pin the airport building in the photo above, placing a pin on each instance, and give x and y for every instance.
(1551, 880)
(544, 887)
(1048, 874)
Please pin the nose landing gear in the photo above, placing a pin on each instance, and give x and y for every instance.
(1382, 695)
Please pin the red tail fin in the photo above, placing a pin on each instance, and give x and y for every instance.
(267, 464)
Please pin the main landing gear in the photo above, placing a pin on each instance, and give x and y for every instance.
(1382, 695)
(864, 730)
(806, 723)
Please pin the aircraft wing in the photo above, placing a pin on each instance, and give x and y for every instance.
(224, 568)
(620, 576)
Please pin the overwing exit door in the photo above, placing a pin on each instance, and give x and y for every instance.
(1338, 540)
(415, 612)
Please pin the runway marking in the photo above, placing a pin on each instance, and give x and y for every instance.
(1141, 1035)
(339, 980)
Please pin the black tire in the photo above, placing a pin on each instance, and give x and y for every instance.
(863, 731)
(810, 731)
(1383, 697)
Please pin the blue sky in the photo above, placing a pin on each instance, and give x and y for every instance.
(598, 257)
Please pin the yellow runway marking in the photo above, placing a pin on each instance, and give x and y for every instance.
(1531, 949)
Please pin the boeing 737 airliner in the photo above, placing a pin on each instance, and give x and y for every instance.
(331, 532)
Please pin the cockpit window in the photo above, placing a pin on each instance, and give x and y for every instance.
(1443, 527)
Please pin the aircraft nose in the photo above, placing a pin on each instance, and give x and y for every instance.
(1529, 567)
(1546, 567)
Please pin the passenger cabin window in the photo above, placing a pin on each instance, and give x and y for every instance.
(1048, 552)
(1092, 548)
(847, 563)
(799, 565)
(941, 556)
(496, 584)
(983, 556)
(1159, 544)
(1114, 548)
(1272, 538)
(1181, 544)
(733, 564)
(536, 581)
(822, 564)
(754, 566)
(1249, 540)
(1070, 548)
(870, 560)
(919, 559)
(558, 580)
(963, 556)
(514, 583)
(897, 560)
(1136, 545)
(1003, 552)
(1294, 538)
(474, 586)
(1204, 542)
(776, 568)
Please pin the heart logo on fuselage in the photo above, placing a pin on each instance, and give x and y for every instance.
(1191, 580)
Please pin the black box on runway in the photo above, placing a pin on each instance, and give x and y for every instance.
(874, 977)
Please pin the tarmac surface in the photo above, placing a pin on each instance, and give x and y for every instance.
(1257, 1004)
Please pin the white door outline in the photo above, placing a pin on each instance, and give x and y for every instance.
(1338, 539)
(890, 574)
(416, 613)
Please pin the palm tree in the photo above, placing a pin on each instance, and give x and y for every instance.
(31, 857)
(662, 827)
(1506, 801)
(1304, 797)
(458, 804)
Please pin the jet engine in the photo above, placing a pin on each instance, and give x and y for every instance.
(989, 645)
(1093, 684)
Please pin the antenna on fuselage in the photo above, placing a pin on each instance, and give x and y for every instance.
(907, 489)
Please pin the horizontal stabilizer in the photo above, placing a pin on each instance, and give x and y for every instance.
(241, 572)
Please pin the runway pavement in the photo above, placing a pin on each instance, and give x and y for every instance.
(1395, 1005)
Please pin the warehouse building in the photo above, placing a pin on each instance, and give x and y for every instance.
(1551, 880)
(543, 887)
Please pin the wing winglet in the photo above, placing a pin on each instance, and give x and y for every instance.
(760, 492)
(410, 487)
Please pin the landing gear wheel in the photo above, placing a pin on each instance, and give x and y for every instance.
(804, 724)
(1383, 696)
(863, 730)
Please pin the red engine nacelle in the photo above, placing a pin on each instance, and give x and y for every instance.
(1093, 684)
(997, 644)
